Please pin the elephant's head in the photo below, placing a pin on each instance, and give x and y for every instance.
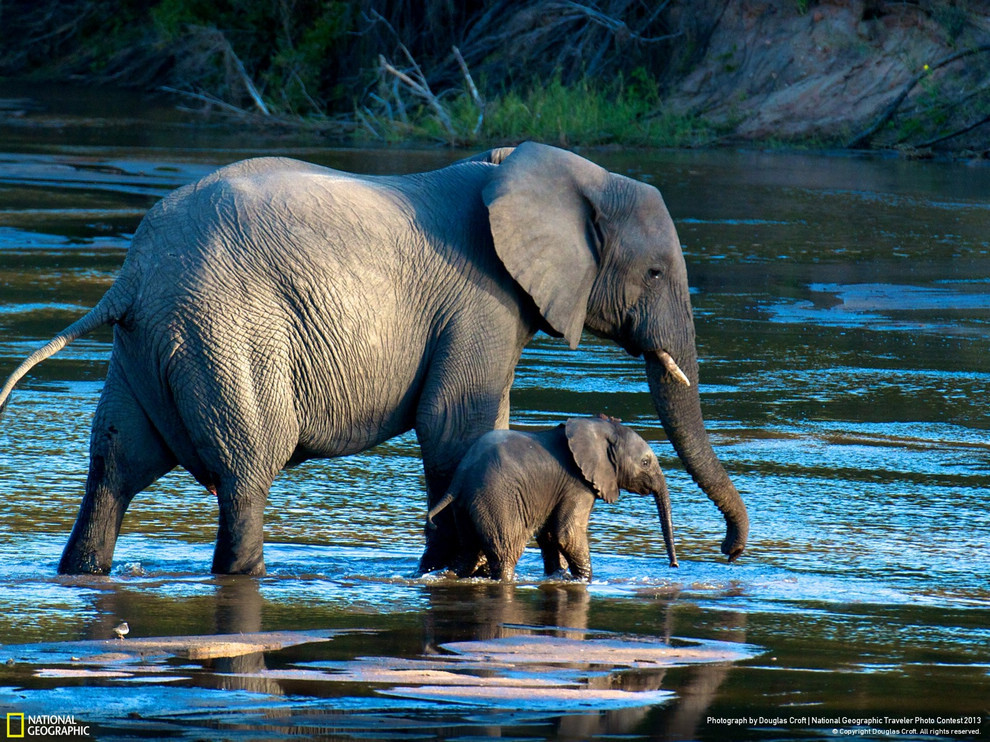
(598, 251)
(610, 456)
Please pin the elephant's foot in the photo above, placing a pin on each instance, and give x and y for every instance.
(444, 574)
(76, 561)
(240, 542)
(438, 555)
(231, 564)
(89, 550)
(239, 556)
(564, 575)
(431, 568)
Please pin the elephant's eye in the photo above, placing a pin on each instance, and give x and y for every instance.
(646, 461)
(654, 274)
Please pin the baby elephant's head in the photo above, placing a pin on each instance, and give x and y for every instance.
(611, 456)
(636, 466)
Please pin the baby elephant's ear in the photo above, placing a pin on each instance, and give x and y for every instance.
(590, 440)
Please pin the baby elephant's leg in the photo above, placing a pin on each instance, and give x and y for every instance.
(554, 564)
(503, 554)
(501, 567)
(470, 565)
(572, 535)
(579, 558)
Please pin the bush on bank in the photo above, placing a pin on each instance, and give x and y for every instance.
(567, 72)
(571, 72)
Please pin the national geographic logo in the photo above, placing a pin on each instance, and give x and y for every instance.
(20, 726)
(15, 726)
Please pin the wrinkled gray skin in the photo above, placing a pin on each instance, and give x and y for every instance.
(512, 485)
(277, 311)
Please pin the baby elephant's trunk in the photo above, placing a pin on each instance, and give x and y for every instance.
(447, 499)
(662, 498)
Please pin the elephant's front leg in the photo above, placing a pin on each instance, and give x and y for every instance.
(572, 534)
(456, 408)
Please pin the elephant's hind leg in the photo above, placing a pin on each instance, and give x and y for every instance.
(241, 466)
(233, 402)
(503, 555)
(126, 455)
(240, 533)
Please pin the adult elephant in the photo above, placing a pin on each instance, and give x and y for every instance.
(277, 311)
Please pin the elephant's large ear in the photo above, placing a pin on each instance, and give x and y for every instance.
(542, 205)
(590, 441)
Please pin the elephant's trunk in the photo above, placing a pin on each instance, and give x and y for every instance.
(661, 496)
(679, 408)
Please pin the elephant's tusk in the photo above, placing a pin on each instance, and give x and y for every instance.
(671, 365)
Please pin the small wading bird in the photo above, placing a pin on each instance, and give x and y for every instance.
(121, 629)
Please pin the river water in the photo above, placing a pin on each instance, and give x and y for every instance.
(843, 317)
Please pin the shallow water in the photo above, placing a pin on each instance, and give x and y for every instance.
(843, 316)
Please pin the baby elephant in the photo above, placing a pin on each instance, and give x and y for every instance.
(511, 485)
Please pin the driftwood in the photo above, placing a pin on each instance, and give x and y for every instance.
(570, 10)
(414, 80)
(954, 134)
(204, 98)
(246, 79)
(863, 139)
(530, 40)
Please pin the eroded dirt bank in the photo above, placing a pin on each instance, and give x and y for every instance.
(829, 70)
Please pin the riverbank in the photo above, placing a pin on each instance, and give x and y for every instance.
(828, 74)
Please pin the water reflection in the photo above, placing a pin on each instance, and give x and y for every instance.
(487, 648)
(486, 610)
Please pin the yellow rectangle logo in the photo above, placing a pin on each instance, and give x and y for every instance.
(18, 724)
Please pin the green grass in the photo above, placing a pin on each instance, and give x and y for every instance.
(581, 114)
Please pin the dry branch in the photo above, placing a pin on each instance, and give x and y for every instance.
(472, 89)
(619, 28)
(421, 89)
(245, 78)
(203, 98)
(954, 134)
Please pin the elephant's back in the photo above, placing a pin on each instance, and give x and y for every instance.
(508, 455)
(311, 280)
(287, 219)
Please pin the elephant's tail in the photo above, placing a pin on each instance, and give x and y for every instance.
(447, 499)
(108, 311)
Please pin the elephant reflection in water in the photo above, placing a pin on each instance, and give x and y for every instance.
(478, 611)
(237, 609)
(463, 612)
